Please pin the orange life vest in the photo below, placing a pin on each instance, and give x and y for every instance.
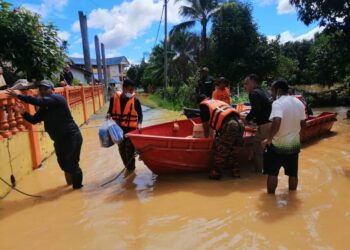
(126, 118)
(222, 95)
(218, 111)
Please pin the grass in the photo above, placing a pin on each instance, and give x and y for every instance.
(318, 88)
(155, 101)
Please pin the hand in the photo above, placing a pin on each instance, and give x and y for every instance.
(139, 128)
(266, 142)
(12, 93)
(108, 116)
(19, 108)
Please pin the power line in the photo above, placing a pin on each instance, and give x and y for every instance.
(160, 22)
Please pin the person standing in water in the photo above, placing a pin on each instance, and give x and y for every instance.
(283, 142)
(261, 103)
(229, 138)
(59, 124)
(125, 109)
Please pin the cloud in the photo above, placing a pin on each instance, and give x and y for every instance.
(150, 40)
(283, 6)
(287, 36)
(127, 21)
(47, 7)
(63, 35)
(76, 54)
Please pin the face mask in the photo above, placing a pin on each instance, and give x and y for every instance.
(128, 95)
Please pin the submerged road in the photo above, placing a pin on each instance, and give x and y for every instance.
(145, 211)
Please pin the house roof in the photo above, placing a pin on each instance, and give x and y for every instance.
(109, 61)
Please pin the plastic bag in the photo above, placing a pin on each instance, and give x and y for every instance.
(103, 134)
(115, 132)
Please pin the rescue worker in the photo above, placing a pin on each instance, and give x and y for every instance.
(125, 109)
(229, 134)
(206, 84)
(59, 124)
(222, 91)
(261, 104)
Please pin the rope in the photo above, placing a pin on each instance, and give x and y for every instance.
(19, 191)
(82, 128)
(160, 22)
(120, 173)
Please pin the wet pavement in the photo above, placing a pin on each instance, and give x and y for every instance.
(144, 211)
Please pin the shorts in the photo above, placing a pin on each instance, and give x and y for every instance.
(274, 161)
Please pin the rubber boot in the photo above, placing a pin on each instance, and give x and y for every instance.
(77, 179)
(68, 178)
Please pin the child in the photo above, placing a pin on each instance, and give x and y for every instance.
(222, 91)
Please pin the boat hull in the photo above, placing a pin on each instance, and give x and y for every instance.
(169, 152)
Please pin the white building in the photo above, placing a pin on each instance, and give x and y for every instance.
(116, 67)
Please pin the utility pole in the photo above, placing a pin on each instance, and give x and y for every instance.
(104, 68)
(98, 58)
(85, 40)
(104, 64)
(166, 42)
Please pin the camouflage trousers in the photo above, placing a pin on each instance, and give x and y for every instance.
(228, 142)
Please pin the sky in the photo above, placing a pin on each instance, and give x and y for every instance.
(129, 27)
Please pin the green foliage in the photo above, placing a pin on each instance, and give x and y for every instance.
(30, 45)
(238, 47)
(332, 14)
(177, 97)
(196, 11)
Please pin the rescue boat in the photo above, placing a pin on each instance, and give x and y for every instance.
(315, 125)
(169, 148)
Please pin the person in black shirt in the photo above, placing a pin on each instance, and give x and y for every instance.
(59, 124)
(261, 104)
(66, 77)
(206, 84)
(125, 109)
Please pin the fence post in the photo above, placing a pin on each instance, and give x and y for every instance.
(93, 99)
(99, 97)
(33, 136)
(83, 100)
(66, 95)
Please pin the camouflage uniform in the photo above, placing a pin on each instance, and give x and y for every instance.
(227, 144)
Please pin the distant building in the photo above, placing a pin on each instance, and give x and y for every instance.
(116, 67)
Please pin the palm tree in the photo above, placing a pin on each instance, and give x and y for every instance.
(196, 11)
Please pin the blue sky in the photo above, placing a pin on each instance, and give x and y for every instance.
(129, 27)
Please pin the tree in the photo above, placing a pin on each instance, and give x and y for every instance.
(28, 44)
(326, 61)
(332, 14)
(185, 45)
(197, 11)
(238, 47)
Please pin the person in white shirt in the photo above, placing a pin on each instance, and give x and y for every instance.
(283, 143)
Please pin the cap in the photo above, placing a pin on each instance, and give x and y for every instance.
(46, 83)
(205, 69)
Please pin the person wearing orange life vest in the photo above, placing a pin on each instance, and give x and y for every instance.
(125, 109)
(222, 91)
(229, 134)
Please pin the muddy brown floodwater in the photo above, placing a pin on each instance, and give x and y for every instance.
(183, 212)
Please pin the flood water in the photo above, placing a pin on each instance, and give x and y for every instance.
(145, 211)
